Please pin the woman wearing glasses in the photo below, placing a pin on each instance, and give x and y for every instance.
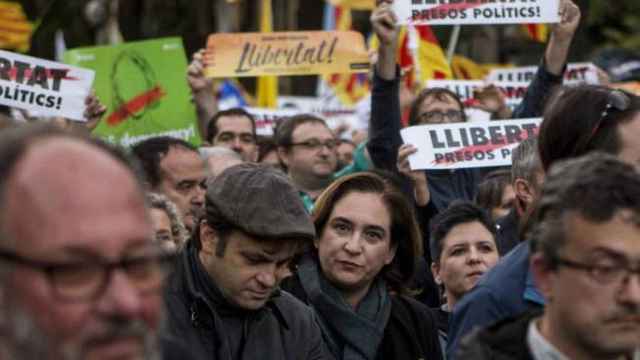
(356, 278)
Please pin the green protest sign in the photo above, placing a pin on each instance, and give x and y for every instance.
(144, 87)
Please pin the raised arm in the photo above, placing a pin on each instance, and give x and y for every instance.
(550, 73)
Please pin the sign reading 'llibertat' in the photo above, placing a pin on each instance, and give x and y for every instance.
(461, 12)
(285, 53)
(577, 73)
(45, 87)
(467, 145)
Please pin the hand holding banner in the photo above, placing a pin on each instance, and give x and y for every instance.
(467, 145)
(45, 87)
(466, 12)
(285, 53)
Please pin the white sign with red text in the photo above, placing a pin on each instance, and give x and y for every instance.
(45, 87)
(466, 12)
(467, 145)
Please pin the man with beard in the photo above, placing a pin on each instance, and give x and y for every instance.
(585, 251)
(223, 300)
(81, 276)
(174, 168)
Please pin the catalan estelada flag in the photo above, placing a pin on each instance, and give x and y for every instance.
(348, 88)
(466, 69)
(267, 86)
(15, 28)
(537, 32)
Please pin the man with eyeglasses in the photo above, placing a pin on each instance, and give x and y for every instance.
(438, 188)
(234, 129)
(585, 240)
(80, 273)
(307, 148)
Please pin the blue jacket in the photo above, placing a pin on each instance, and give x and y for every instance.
(506, 290)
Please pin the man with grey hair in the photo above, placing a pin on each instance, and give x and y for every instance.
(81, 277)
(219, 158)
(526, 179)
(590, 279)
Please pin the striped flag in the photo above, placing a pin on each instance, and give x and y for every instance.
(348, 88)
(267, 86)
(15, 29)
(537, 32)
(355, 4)
(432, 62)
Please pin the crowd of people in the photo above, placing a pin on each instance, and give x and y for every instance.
(307, 246)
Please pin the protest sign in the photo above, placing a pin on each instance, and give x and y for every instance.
(467, 145)
(513, 91)
(266, 118)
(465, 12)
(577, 73)
(285, 53)
(143, 86)
(44, 87)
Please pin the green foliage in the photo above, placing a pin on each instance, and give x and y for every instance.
(615, 23)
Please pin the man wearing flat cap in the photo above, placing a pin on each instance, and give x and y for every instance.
(223, 299)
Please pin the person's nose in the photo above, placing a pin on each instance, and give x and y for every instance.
(630, 291)
(353, 244)
(120, 297)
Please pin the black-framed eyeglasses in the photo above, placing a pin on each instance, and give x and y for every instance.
(602, 274)
(87, 280)
(616, 101)
(315, 144)
(438, 117)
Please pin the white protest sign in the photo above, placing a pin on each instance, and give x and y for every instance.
(577, 73)
(467, 145)
(466, 12)
(266, 118)
(45, 87)
(513, 91)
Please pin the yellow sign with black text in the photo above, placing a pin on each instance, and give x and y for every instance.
(285, 53)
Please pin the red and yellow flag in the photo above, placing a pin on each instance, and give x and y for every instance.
(267, 86)
(537, 32)
(432, 62)
(15, 29)
(349, 88)
(355, 4)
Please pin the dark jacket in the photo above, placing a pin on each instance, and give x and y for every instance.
(505, 340)
(444, 185)
(507, 232)
(284, 328)
(505, 291)
(411, 333)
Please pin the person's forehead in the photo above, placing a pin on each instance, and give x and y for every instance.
(180, 163)
(438, 101)
(364, 208)
(312, 130)
(467, 233)
(160, 218)
(69, 194)
(247, 243)
(620, 234)
(234, 124)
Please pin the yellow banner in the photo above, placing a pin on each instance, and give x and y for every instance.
(285, 53)
(355, 4)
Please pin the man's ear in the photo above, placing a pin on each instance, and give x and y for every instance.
(525, 194)
(208, 239)
(283, 154)
(543, 274)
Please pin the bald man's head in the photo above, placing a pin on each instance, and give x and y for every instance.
(74, 223)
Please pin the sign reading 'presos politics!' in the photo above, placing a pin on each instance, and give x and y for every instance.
(465, 12)
(44, 87)
(467, 145)
(285, 53)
